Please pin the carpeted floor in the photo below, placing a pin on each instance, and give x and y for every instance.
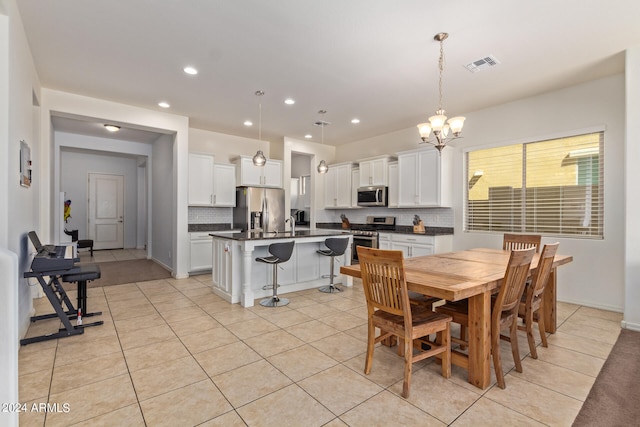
(614, 399)
(136, 270)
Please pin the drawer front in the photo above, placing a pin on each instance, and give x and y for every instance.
(199, 235)
(412, 238)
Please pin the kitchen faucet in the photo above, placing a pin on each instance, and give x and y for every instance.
(293, 224)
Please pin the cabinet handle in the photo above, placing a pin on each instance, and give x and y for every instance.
(210, 199)
(214, 199)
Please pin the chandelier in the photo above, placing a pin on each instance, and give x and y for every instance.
(259, 159)
(439, 123)
(322, 166)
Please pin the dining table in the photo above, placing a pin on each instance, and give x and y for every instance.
(472, 274)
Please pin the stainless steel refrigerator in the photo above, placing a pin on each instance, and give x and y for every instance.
(259, 209)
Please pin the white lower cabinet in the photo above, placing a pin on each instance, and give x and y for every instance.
(200, 251)
(384, 241)
(413, 245)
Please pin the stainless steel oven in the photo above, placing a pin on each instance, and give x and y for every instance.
(367, 234)
(368, 239)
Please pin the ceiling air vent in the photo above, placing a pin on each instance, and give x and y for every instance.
(481, 64)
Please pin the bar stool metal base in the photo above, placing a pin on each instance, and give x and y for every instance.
(331, 289)
(274, 301)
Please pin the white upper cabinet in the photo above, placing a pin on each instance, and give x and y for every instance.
(224, 185)
(210, 184)
(394, 185)
(355, 182)
(337, 186)
(424, 178)
(374, 171)
(248, 174)
(200, 179)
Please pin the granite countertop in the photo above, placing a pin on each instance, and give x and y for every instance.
(209, 227)
(247, 235)
(399, 229)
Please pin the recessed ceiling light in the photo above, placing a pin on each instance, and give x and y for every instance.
(190, 70)
(112, 128)
(248, 123)
(355, 121)
(289, 101)
(164, 104)
(308, 136)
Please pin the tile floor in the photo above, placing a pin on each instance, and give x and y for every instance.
(111, 255)
(171, 353)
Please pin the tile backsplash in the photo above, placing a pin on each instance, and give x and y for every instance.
(432, 217)
(203, 215)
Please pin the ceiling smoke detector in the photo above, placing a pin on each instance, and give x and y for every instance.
(482, 63)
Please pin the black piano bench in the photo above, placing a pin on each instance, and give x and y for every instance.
(86, 243)
(83, 274)
(82, 243)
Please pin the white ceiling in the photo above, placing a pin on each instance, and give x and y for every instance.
(371, 59)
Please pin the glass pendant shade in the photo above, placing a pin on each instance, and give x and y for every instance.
(322, 167)
(425, 130)
(437, 122)
(456, 124)
(259, 159)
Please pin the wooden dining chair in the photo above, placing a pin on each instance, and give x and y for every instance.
(504, 312)
(512, 242)
(533, 298)
(388, 308)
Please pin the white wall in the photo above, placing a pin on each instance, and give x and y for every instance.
(225, 147)
(595, 278)
(19, 85)
(61, 103)
(632, 205)
(317, 153)
(163, 201)
(75, 167)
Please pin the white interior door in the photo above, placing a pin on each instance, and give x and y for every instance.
(106, 211)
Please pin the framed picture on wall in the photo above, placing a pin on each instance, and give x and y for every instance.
(25, 164)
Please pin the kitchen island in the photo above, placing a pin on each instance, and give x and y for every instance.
(238, 278)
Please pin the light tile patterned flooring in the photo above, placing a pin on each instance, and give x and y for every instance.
(171, 353)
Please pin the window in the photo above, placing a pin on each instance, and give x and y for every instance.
(546, 187)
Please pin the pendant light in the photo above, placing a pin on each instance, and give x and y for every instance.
(259, 159)
(437, 123)
(322, 166)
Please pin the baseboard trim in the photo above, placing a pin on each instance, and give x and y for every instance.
(629, 325)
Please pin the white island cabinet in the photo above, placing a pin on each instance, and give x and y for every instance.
(239, 278)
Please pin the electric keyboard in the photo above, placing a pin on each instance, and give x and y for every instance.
(61, 258)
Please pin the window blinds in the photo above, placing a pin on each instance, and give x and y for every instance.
(546, 187)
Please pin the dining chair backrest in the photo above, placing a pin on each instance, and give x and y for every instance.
(512, 287)
(543, 271)
(512, 242)
(384, 282)
(533, 301)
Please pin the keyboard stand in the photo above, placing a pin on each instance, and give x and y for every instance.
(59, 300)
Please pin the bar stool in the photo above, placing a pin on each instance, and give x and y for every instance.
(280, 252)
(336, 247)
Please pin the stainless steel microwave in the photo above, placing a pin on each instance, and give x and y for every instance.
(373, 196)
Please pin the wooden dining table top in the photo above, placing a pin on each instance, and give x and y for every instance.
(458, 275)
